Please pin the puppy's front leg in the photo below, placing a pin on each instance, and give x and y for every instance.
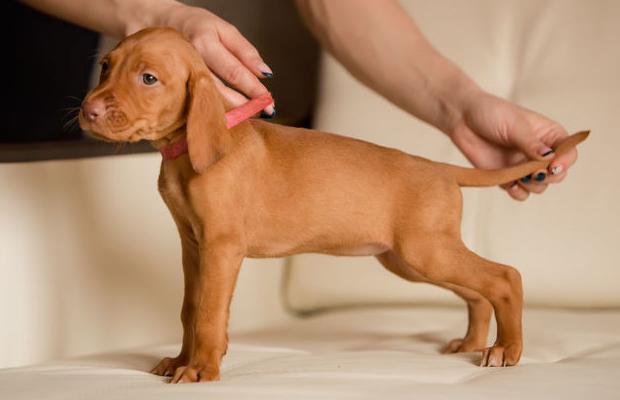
(168, 365)
(218, 270)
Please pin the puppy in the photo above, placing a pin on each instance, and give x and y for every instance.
(261, 190)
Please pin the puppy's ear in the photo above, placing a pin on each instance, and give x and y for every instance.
(207, 135)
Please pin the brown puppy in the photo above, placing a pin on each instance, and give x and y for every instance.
(263, 190)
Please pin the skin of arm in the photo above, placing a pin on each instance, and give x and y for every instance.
(379, 43)
(226, 52)
(116, 18)
(378, 39)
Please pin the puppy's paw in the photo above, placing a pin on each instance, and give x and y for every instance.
(501, 356)
(465, 345)
(168, 365)
(195, 373)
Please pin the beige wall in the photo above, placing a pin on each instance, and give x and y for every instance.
(90, 261)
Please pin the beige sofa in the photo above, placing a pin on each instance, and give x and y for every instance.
(90, 260)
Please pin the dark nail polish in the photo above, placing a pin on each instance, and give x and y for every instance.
(263, 114)
(267, 74)
(540, 176)
(526, 179)
(547, 153)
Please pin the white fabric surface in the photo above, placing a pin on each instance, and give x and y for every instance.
(369, 354)
(558, 57)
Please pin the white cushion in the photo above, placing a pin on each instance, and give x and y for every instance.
(369, 354)
(560, 58)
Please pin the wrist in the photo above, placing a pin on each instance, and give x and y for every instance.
(457, 93)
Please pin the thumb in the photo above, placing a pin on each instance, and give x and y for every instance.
(530, 144)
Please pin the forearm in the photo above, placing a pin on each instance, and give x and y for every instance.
(382, 47)
(111, 17)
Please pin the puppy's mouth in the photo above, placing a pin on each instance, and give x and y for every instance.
(101, 137)
(101, 131)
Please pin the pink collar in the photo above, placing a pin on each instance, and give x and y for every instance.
(233, 118)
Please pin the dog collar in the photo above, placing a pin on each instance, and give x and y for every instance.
(233, 118)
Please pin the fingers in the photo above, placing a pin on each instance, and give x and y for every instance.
(228, 54)
(231, 70)
(531, 145)
(521, 192)
(244, 51)
(540, 147)
(560, 165)
(537, 188)
(236, 99)
(559, 176)
(517, 192)
(535, 183)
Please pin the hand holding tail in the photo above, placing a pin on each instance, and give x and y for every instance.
(482, 177)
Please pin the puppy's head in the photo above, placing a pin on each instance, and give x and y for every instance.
(153, 83)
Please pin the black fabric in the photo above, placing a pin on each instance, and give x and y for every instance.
(50, 62)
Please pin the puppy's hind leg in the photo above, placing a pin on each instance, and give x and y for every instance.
(479, 309)
(479, 312)
(440, 257)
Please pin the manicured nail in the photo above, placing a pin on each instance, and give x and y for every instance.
(556, 169)
(547, 153)
(266, 115)
(265, 70)
(526, 179)
(540, 176)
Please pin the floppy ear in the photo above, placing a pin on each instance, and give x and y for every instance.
(207, 135)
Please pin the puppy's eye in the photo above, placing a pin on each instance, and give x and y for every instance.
(105, 67)
(149, 79)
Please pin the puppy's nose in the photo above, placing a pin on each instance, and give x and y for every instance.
(92, 109)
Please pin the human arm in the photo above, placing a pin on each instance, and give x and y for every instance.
(383, 48)
(225, 51)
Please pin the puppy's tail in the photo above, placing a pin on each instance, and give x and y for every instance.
(494, 177)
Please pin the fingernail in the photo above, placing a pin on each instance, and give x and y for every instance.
(540, 176)
(266, 115)
(265, 70)
(556, 169)
(526, 179)
(547, 153)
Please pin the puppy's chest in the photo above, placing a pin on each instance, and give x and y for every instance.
(173, 191)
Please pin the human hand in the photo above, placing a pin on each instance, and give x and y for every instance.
(234, 62)
(494, 133)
